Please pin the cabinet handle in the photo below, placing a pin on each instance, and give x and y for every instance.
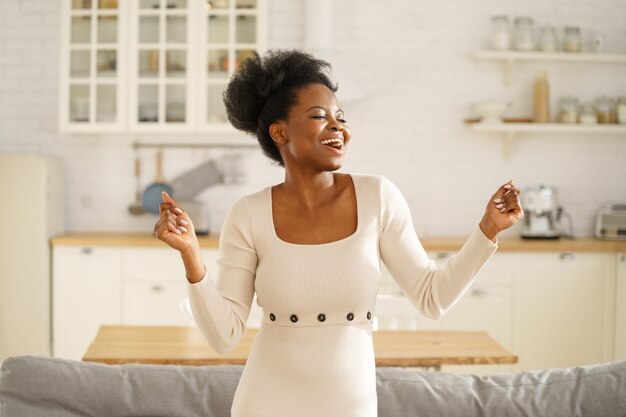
(86, 251)
(480, 292)
(566, 257)
(443, 255)
(157, 288)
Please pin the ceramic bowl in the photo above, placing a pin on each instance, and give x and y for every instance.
(491, 111)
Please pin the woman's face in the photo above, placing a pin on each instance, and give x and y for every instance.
(315, 134)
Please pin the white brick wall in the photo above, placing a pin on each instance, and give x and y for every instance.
(411, 57)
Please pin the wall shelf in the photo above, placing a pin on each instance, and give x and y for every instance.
(510, 58)
(509, 130)
(514, 56)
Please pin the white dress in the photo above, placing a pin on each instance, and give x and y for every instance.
(313, 356)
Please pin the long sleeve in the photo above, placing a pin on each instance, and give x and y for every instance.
(221, 310)
(431, 290)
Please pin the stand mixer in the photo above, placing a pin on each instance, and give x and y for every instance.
(542, 214)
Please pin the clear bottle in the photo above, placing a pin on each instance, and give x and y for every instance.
(500, 33)
(569, 111)
(524, 36)
(607, 111)
(572, 39)
(547, 39)
(588, 114)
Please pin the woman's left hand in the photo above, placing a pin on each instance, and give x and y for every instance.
(503, 210)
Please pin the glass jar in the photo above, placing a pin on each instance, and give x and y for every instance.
(569, 111)
(621, 110)
(607, 111)
(524, 36)
(588, 114)
(547, 39)
(571, 39)
(500, 33)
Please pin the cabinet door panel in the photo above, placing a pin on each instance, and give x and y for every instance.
(564, 309)
(486, 308)
(86, 294)
(162, 264)
(154, 303)
(620, 309)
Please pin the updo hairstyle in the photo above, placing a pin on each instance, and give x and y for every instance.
(265, 88)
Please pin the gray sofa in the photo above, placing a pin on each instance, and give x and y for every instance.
(33, 386)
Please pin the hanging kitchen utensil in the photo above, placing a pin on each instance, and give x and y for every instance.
(136, 207)
(191, 183)
(152, 194)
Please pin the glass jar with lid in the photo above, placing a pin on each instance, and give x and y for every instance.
(547, 39)
(569, 111)
(621, 110)
(588, 114)
(500, 33)
(572, 39)
(523, 35)
(607, 111)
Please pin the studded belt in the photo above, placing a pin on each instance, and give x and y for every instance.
(320, 319)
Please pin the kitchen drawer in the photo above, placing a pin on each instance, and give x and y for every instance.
(152, 263)
(154, 303)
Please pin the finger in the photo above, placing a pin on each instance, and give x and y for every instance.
(511, 204)
(168, 199)
(172, 228)
(510, 197)
(165, 206)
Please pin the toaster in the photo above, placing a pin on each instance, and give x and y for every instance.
(611, 222)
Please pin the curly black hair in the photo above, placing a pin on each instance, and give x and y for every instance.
(265, 88)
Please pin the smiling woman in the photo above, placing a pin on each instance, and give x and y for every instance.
(311, 249)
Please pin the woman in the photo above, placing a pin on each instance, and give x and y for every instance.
(311, 248)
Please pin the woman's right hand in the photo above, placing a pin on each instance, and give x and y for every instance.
(174, 226)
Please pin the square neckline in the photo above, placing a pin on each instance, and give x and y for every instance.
(344, 239)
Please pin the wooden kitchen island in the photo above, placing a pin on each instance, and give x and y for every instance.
(186, 346)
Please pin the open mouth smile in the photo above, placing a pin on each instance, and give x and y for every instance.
(335, 143)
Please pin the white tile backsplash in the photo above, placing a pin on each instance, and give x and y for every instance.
(411, 58)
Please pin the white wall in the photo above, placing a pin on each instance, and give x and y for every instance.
(412, 59)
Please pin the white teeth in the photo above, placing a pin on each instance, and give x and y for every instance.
(334, 141)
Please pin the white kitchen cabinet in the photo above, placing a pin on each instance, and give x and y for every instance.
(86, 294)
(155, 304)
(620, 309)
(98, 285)
(93, 61)
(153, 65)
(487, 306)
(153, 287)
(564, 309)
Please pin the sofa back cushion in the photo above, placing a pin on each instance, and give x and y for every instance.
(50, 387)
(40, 386)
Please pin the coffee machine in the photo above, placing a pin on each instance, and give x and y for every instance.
(542, 213)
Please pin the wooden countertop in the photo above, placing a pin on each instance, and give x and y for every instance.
(433, 244)
(186, 346)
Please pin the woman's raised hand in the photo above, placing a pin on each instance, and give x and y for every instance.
(174, 226)
(503, 210)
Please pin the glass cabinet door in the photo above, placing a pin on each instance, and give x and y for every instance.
(232, 35)
(91, 96)
(161, 63)
(153, 65)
